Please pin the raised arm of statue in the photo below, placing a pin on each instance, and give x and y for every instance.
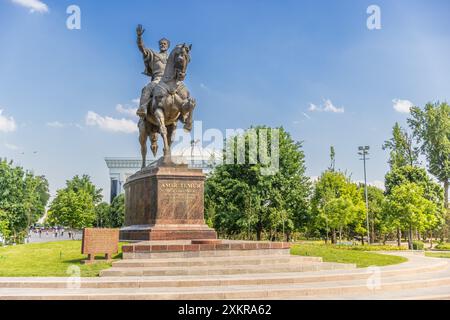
(140, 43)
(139, 32)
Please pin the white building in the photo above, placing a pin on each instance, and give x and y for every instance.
(119, 171)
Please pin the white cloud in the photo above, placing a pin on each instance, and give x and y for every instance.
(110, 124)
(402, 106)
(7, 124)
(11, 146)
(55, 124)
(33, 5)
(377, 183)
(314, 179)
(124, 110)
(136, 101)
(306, 116)
(329, 107)
(326, 107)
(313, 107)
(59, 125)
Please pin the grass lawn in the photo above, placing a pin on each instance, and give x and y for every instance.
(330, 253)
(437, 254)
(49, 259)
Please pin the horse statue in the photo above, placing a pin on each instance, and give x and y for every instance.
(170, 102)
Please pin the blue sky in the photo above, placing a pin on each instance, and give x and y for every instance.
(253, 62)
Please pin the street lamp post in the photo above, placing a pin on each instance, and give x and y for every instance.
(364, 151)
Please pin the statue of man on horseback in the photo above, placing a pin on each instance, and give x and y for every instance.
(165, 100)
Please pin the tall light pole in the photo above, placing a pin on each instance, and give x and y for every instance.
(364, 151)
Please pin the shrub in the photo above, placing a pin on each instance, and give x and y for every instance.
(372, 248)
(358, 247)
(418, 245)
(443, 246)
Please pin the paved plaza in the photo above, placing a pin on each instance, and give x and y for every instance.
(50, 236)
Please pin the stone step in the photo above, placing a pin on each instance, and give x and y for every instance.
(419, 277)
(224, 280)
(332, 290)
(224, 270)
(214, 261)
(201, 253)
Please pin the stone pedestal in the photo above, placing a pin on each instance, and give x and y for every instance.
(165, 201)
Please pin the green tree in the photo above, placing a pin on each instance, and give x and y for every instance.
(36, 197)
(23, 198)
(402, 150)
(376, 198)
(102, 215)
(409, 209)
(336, 204)
(417, 175)
(332, 159)
(240, 199)
(4, 227)
(72, 209)
(84, 183)
(431, 127)
(412, 174)
(117, 212)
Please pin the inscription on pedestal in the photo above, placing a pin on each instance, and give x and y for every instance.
(180, 191)
(180, 200)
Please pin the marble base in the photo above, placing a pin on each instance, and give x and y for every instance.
(203, 248)
(165, 201)
(167, 232)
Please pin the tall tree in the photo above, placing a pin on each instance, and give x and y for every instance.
(412, 174)
(102, 216)
(332, 159)
(240, 199)
(4, 227)
(411, 210)
(336, 203)
(117, 211)
(72, 209)
(431, 127)
(376, 201)
(84, 183)
(417, 175)
(23, 198)
(401, 147)
(74, 206)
